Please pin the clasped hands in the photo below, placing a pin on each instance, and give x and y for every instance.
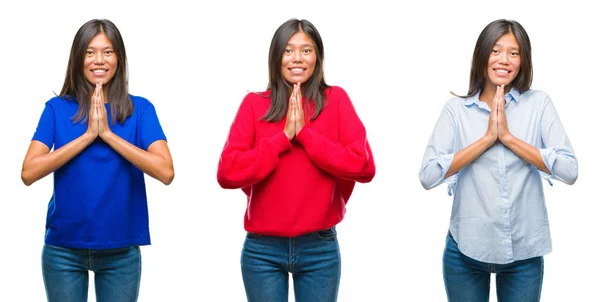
(498, 125)
(98, 116)
(295, 114)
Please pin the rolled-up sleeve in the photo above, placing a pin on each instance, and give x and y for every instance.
(557, 152)
(439, 153)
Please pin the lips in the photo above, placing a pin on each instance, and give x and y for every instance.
(99, 72)
(296, 70)
(502, 72)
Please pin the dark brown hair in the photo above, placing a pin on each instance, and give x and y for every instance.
(77, 88)
(483, 48)
(314, 88)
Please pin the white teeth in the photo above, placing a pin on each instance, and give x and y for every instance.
(297, 70)
(99, 71)
(501, 71)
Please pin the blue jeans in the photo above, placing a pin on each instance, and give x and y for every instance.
(313, 260)
(117, 273)
(468, 280)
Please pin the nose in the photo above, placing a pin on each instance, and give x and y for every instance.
(503, 58)
(99, 58)
(297, 56)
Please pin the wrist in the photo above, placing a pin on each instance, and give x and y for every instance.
(289, 137)
(489, 140)
(88, 136)
(506, 139)
(106, 134)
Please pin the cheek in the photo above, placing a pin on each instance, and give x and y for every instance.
(313, 63)
(516, 60)
(114, 62)
(517, 66)
(86, 63)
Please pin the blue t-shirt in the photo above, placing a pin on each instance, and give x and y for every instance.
(99, 198)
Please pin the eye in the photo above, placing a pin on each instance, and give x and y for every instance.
(108, 52)
(287, 51)
(514, 53)
(89, 53)
(306, 51)
(495, 51)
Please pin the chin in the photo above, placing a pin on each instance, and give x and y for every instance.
(504, 82)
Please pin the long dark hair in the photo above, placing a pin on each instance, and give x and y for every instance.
(483, 48)
(314, 88)
(77, 88)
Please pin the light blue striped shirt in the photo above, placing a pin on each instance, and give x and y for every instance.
(499, 213)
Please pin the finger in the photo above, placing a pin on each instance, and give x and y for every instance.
(500, 104)
(92, 104)
(97, 91)
(94, 108)
(295, 93)
(494, 106)
(495, 97)
(99, 101)
(501, 100)
(294, 105)
(297, 107)
(498, 93)
(102, 100)
(93, 98)
(498, 96)
(290, 103)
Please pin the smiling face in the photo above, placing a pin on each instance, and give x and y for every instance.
(100, 61)
(504, 62)
(299, 59)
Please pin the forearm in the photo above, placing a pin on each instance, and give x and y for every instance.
(469, 154)
(353, 161)
(527, 152)
(240, 166)
(36, 168)
(155, 165)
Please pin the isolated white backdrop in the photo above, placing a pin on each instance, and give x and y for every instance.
(398, 63)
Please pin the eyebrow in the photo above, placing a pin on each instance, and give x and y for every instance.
(107, 47)
(302, 45)
(501, 45)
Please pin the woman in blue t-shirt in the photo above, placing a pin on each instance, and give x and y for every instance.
(103, 140)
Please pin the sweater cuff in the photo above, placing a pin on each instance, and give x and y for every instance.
(304, 136)
(280, 142)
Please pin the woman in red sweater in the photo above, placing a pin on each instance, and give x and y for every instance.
(296, 150)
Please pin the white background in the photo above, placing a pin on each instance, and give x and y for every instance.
(398, 64)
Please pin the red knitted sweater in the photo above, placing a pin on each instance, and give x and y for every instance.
(299, 186)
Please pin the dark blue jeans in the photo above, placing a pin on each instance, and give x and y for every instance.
(468, 280)
(117, 273)
(313, 260)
